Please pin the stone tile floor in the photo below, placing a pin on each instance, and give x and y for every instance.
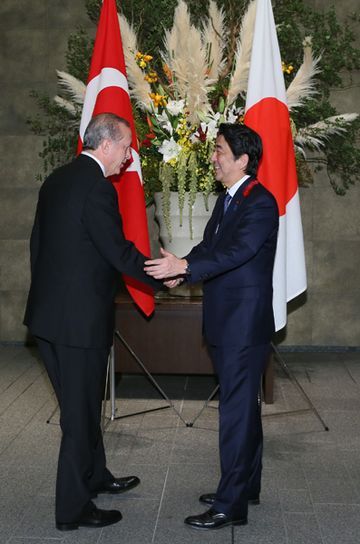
(311, 478)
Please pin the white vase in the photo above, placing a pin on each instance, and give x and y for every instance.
(183, 238)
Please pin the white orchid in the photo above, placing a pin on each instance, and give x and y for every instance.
(175, 107)
(164, 122)
(169, 150)
(233, 113)
(211, 129)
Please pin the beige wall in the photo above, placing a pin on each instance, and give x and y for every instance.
(33, 42)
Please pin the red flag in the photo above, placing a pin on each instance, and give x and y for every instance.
(267, 113)
(107, 92)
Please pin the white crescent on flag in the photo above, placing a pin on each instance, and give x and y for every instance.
(108, 77)
(267, 113)
(107, 92)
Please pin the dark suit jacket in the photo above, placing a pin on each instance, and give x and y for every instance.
(236, 265)
(78, 250)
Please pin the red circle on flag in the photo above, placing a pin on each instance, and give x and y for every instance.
(277, 171)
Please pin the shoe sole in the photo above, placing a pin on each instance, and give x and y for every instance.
(254, 502)
(75, 526)
(228, 524)
(128, 488)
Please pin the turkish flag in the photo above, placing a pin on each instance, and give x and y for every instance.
(267, 113)
(107, 92)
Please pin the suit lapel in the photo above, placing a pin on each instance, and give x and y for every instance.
(235, 204)
(216, 215)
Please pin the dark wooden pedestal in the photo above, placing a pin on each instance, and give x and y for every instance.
(169, 342)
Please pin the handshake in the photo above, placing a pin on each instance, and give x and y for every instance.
(168, 267)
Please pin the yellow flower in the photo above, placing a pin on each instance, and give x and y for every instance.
(158, 99)
(287, 68)
(142, 60)
(151, 77)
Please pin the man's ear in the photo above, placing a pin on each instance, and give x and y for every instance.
(105, 147)
(243, 161)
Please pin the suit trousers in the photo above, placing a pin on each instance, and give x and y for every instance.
(78, 377)
(239, 370)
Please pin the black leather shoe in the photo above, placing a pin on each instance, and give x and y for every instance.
(93, 518)
(213, 520)
(118, 485)
(209, 499)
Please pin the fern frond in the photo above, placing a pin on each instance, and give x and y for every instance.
(66, 105)
(239, 78)
(185, 56)
(316, 135)
(139, 87)
(72, 86)
(303, 85)
(214, 43)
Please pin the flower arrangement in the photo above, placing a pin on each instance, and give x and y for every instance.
(183, 103)
(196, 89)
(182, 89)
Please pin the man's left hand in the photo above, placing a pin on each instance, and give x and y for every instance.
(169, 266)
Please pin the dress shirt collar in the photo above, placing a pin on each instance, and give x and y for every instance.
(236, 185)
(88, 154)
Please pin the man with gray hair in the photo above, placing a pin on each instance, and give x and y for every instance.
(78, 251)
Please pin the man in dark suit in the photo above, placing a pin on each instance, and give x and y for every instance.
(78, 252)
(235, 262)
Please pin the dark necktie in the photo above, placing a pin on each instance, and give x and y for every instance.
(227, 201)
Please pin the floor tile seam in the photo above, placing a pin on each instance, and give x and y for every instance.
(25, 424)
(17, 397)
(15, 527)
(10, 363)
(351, 479)
(327, 503)
(287, 541)
(160, 506)
(304, 466)
(60, 539)
(312, 504)
(10, 383)
(306, 481)
(175, 434)
(296, 489)
(15, 379)
(36, 489)
(298, 388)
(190, 464)
(36, 368)
(344, 469)
(128, 499)
(344, 363)
(323, 536)
(135, 435)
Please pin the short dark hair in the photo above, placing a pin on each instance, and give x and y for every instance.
(242, 139)
(105, 126)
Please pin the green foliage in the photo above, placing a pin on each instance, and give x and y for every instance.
(343, 159)
(60, 131)
(334, 41)
(78, 54)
